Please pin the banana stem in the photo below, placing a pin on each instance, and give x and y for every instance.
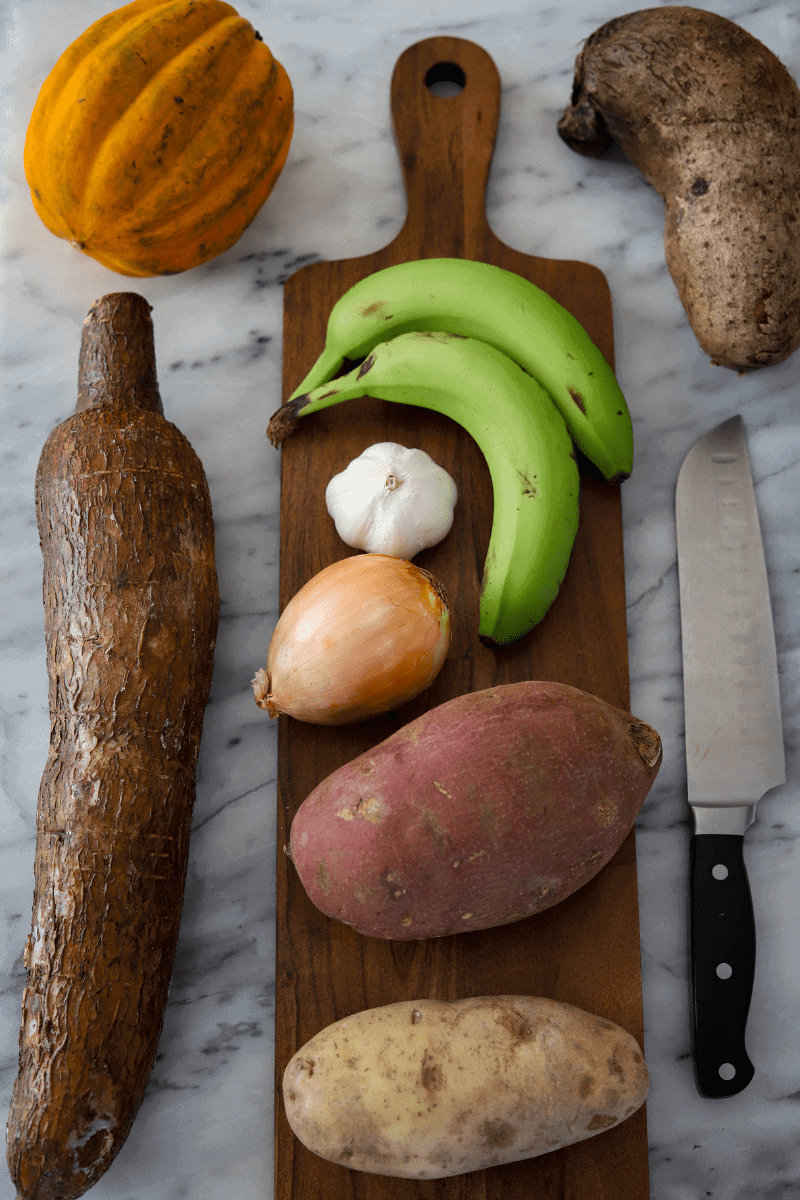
(284, 420)
(326, 366)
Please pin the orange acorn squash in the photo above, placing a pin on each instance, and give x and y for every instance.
(158, 135)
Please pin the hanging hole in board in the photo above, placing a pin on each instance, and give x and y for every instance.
(727, 1071)
(720, 871)
(445, 79)
(724, 970)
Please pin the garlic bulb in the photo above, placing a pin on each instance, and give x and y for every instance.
(360, 638)
(391, 500)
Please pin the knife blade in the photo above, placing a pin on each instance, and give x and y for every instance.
(734, 738)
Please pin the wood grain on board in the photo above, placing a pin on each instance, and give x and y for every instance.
(584, 950)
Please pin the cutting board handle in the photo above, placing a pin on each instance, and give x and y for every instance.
(445, 143)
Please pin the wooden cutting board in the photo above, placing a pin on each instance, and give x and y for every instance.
(586, 949)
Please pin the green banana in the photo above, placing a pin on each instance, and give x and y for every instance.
(456, 295)
(523, 438)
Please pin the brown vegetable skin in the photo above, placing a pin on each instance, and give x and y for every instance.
(484, 810)
(131, 609)
(711, 118)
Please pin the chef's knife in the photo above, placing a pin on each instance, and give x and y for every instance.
(734, 741)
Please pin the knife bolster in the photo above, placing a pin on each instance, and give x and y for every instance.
(723, 819)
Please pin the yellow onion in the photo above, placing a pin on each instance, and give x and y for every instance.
(360, 638)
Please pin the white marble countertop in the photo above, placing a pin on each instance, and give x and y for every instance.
(205, 1127)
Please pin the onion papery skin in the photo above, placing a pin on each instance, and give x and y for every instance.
(362, 637)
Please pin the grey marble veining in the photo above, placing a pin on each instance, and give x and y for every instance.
(205, 1128)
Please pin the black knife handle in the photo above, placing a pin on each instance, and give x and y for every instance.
(723, 951)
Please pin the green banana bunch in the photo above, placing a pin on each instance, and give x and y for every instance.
(456, 295)
(523, 438)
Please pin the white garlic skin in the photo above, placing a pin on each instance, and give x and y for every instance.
(392, 500)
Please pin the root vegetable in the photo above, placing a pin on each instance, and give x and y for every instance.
(484, 810)
(425, 1089)
(711, 118)
(131, 609)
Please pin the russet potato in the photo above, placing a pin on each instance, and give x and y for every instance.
(424, 1089)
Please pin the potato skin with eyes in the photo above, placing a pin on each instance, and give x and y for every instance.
(711, 118)
(488, 808)
(424, 1089)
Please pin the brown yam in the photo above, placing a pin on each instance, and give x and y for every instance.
(131, 609)
(711, 118)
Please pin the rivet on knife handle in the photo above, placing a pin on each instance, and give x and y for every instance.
(723, 952)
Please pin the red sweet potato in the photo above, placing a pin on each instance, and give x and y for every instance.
(486, 809)
(131, 609)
